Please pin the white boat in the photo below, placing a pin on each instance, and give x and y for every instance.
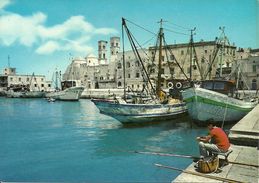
(155, 109)
(33, 94)
(64, 90)
(139, 113)
(214, 100)
(69, 94)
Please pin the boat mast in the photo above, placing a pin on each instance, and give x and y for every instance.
(161, 34)
(123, 60)
(134, 48)
(191, 45)
(222, 48)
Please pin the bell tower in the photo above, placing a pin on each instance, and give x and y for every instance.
(102, 52)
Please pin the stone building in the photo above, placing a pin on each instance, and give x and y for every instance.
(10, 79)
(96, 72)
(248, 72)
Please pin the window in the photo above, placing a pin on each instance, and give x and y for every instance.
(207, 85)
(162, 70)
(205, 51)
(162, 58)
(28, 79)
(104, 55)
(103, 47)
(128, 75)
(42, 85)
(119, 65)
(128, 64)
(42, 79)
(137, 75)
(112, 44)
(20, 79)
(172, 70)
(49, 85)
(219, 86)
(254, 84)
(117, 44)
(182, 52)
(254, 68)
(119, 84)
(11, 79)
(35, 85)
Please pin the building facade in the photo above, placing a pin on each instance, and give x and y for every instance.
(10, 79)
(206, 60)
(247, 72)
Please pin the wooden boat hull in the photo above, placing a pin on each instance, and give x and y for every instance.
(205, 104)
(139, 113)
(33, 94)
(69, 94)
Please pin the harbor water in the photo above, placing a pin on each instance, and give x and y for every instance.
(72, 141)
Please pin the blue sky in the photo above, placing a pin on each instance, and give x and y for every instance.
(40, 35)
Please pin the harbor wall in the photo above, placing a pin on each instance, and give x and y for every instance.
(244, 138)
(246, 131)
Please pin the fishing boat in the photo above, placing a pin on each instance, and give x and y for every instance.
(153, 107)
(33, 92)
(69, 94)
(139, 113)
(215, 100)
(65, 90)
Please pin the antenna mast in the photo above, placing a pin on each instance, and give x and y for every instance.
(8, 61)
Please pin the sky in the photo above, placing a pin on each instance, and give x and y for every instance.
(41, 36)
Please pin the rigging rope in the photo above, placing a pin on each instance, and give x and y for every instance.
(140, 27)
(169, 30)
(179, 26)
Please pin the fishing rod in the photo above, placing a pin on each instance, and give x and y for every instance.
(191, 157)
(199, 174)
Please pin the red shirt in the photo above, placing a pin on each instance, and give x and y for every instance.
(220, 137)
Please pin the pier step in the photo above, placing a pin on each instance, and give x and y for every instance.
(246, 131)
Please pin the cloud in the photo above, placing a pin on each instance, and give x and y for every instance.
(74, 34)
(15, 28)
(63, 45)
(48, 47)
(4, 3)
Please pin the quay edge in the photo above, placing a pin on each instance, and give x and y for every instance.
(244, 138)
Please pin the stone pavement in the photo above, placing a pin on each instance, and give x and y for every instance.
(244, 143)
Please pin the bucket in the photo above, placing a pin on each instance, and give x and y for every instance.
(208, 164)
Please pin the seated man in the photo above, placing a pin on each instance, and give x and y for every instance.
(218, 136)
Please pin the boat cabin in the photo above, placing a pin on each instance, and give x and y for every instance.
(221, 86)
